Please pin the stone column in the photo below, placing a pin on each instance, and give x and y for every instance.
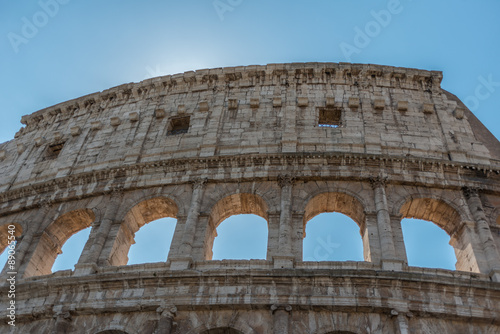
(297, 235)
(62, 324)
(185, 257)
(397, 235)
(371, 242)
(273, 235)
(88, 262)
(166, 321)
(284, 256)
(26, 242)
(401, 319)
(468, 250)
(281, 315)
(388, 252)
(484, 232)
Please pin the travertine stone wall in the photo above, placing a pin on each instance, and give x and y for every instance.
(285, 142)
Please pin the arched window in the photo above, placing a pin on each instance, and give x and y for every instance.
(153, 241)
(54, 237)
(241, 237)
(427, 245)
(244, 204)
(426, 233)
(71, 250)
(332, 237)
(332, 229)
(151, 210)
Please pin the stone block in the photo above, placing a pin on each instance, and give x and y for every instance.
(96, 125)
(458, 113)
(21, 148)
(330, 102)
(133, 117)
(160, 113)
(277, 102)
(402, 105)
(75, 131)
(203, 106)
(115, 121)
(58, 136)
(232, 104)
(302, 102)
(39, 141)
(254, 103)
(428, 108)
(181, 109)
(353, 103)
(379, 104)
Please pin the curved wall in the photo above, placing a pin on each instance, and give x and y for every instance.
(284, 142)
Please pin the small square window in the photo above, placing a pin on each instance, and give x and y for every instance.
(178, 125)
(330, 118)
(53, 150)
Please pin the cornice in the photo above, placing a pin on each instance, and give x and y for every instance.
(484, 177)
(360, 75)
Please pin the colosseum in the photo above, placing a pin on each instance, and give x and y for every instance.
(285, 142)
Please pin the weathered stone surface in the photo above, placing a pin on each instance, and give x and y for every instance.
(202, 146)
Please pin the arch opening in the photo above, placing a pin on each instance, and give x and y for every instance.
(71, 250)
(428, 224)
(236, 205)
(241, 237)
(427, 245)
(160, 210)
(152, 241)
(332, 237)
(332, 228)
(54, 237)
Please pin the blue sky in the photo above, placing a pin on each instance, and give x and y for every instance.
(55, 50)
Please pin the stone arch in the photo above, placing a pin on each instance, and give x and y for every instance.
(4, 233)
(236, 327)
(236, 204)
(338, 329)
(343, 203)
(436, 210)
(139, 215)
(112, 331)
(448, 217)
(222, 330)
(54, 237)
(335, 202)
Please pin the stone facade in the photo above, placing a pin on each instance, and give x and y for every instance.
(284, 142)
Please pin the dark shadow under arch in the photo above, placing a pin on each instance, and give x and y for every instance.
(222, 330)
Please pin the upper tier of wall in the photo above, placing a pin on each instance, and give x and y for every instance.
(381, 112)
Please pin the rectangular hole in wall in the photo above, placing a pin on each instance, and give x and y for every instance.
(178, 125)
(330, 118)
